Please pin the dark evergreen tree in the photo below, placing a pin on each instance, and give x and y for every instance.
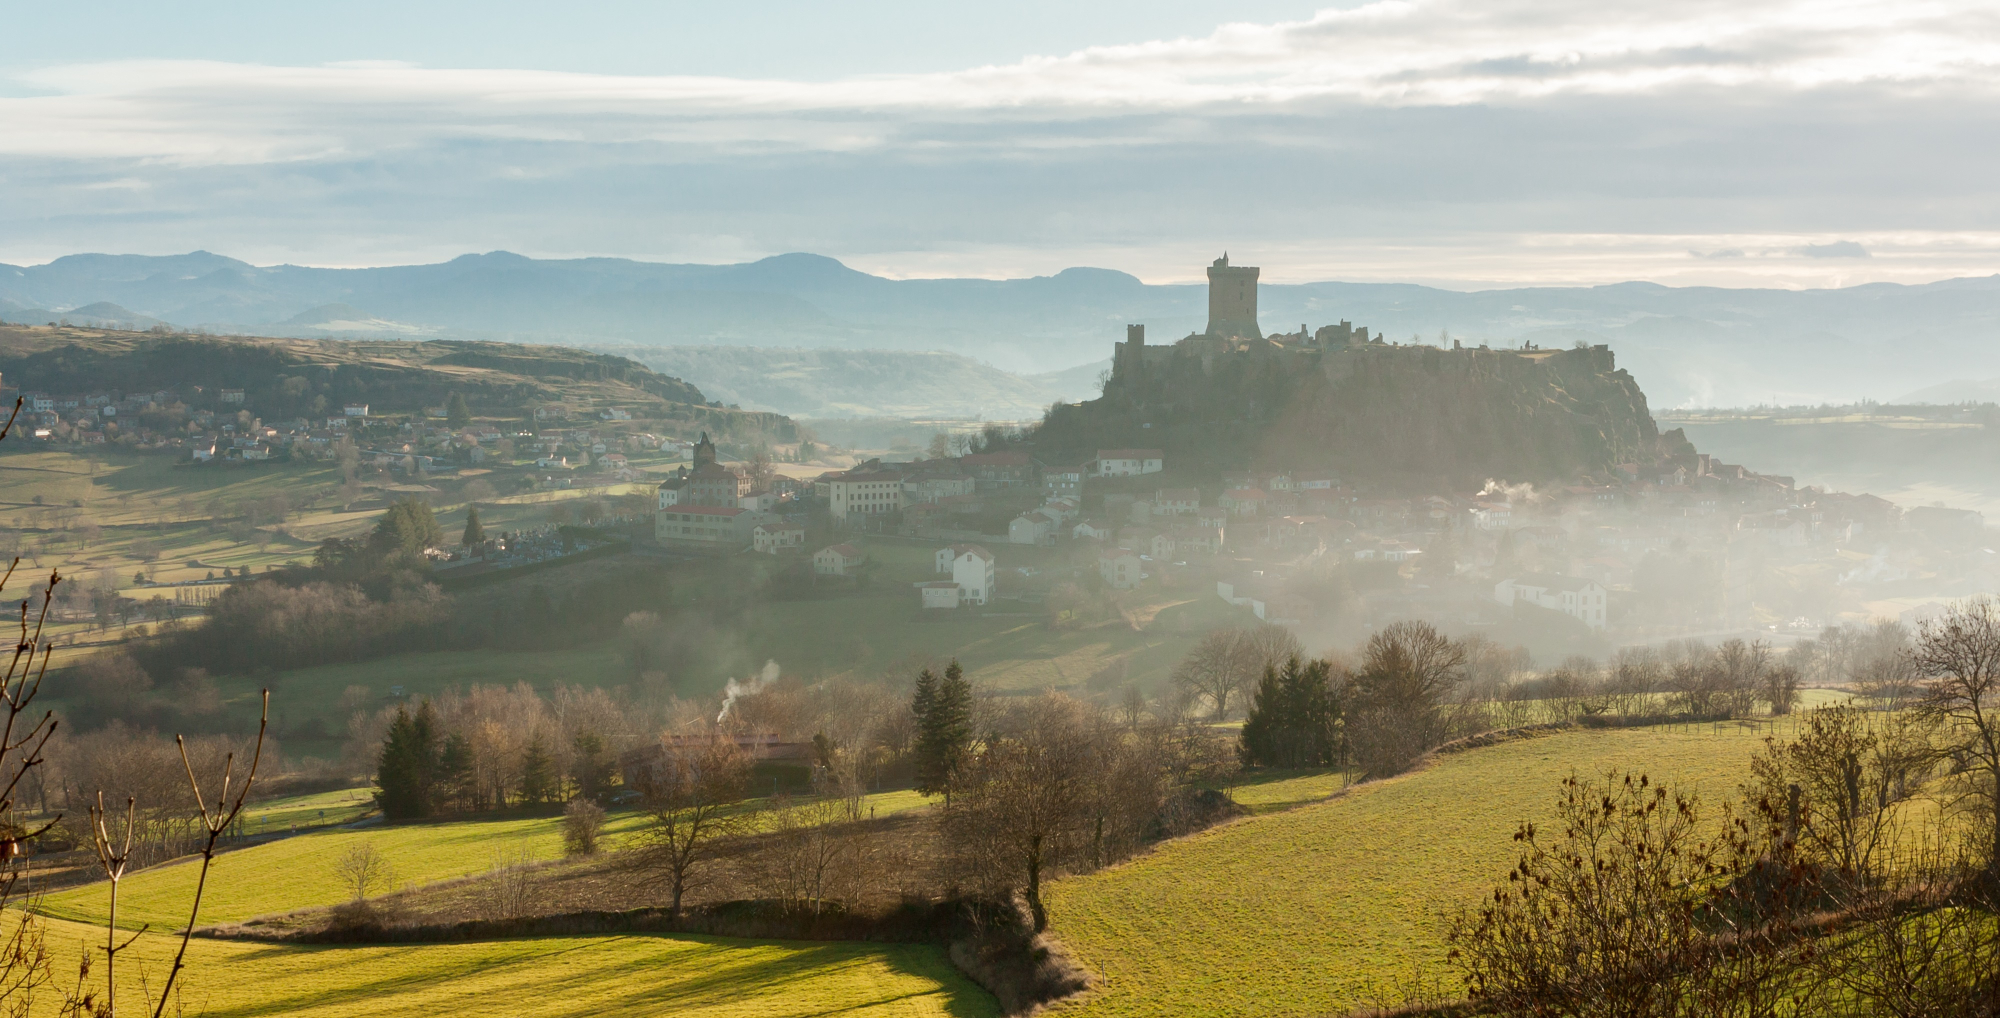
(475, 535)
(406, 530)
(1295, 718)
(456, 413)
(407, 770)
(455, 784)
(595, 768)
(538, 774)
(944, 727)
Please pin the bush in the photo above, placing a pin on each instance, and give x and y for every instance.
(583, 820)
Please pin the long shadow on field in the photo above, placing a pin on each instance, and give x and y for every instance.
(621, 974)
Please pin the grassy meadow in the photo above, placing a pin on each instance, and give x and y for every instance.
(299, 872)
(547, 977)
(1308, 910)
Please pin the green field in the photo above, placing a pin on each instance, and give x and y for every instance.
(319, 809)
(551, 977)
(298, 872)
(1303, 912)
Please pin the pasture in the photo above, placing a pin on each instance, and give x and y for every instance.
(299, 872)
(546, 977)
(1310, 910)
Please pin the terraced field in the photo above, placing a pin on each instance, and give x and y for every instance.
(1306, 912)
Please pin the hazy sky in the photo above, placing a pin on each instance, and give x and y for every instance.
(1458, 142)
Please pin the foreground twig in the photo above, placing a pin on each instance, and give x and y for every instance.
(214, 822)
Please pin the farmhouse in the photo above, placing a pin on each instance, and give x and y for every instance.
(973, 572)
(838, 560)
(1119, 568)
(1064, 481)
(777, 538)
(1129, 462)
(1577, 598)
(1035, 527)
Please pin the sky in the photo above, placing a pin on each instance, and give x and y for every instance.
(1460, 143)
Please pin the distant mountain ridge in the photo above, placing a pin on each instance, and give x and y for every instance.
(1689, 345)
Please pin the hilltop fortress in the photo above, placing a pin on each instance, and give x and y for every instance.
(1340, 399)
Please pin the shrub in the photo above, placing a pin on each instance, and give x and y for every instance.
(583, 821)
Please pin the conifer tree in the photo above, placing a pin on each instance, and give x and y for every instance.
(1294, 718)
(406, 772)
(455, 784)
(944, 727)
(456, 413)
(538, 773)
(594, 767)
(475, 535)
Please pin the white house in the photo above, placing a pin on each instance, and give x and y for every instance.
(945, 557)
(837, 560)
(1129, 462)
(1119, 568)
(355, 409)
(777, 538)
(1386, 551)
(1093, 530)
(1577, 598)
(973, 572)
(1030, 528)
(940, 594)
(1492, 515)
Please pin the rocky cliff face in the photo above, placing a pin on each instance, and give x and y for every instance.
(1403, 417)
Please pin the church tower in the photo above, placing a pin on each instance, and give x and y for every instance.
(704, 452)
(1232, 300)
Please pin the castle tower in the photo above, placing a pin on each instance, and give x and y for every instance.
(1232, 300)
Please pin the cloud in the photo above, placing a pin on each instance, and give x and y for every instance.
(1435, 140)
(1836, 249)
(1387, 54)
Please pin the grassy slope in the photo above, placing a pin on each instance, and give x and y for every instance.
(555, 977)
(1302, 912)
(296, 873)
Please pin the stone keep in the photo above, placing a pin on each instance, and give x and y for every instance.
(1232, 300)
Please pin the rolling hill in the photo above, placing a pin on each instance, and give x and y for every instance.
(1691, 345)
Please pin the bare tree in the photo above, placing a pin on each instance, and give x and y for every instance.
(691, 788)
(1220, 666)
(364, 869)
(1025, 807)
(1408, 671)
(1960, 654)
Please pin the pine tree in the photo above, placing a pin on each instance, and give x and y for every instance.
(594, 768)
(475, 535)
(455, 784)
(456, 413)
(944, 727)
(1294, 718)
(407, 770)
(538, 773)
